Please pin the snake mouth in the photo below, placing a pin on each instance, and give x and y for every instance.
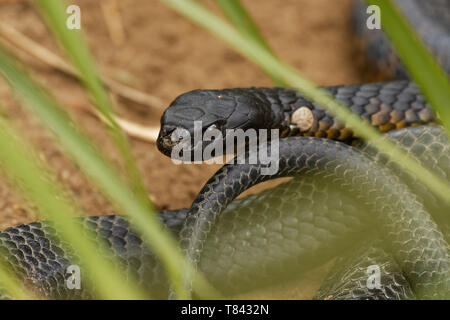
(181, 138)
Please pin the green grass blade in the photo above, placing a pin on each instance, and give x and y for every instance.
(22, 168)
(243, 22)
(421, 64)
(102, 174)
(12, 285)
(254, 52)
(241, 19)
(76, 48)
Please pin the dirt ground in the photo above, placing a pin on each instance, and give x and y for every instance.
(164, 54)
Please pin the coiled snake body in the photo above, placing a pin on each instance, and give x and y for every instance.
(282, 232)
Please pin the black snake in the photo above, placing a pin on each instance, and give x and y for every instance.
(285, 231)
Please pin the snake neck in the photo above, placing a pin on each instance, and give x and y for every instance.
(385, 105)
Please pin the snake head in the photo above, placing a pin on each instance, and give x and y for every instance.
(200, 111)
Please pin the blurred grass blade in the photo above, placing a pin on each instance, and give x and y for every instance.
(243, 22)
(21, 167)
(77, 49)
(12, 286)
(103, 175)
(256, 53)
(241, 19)
(421, 64)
